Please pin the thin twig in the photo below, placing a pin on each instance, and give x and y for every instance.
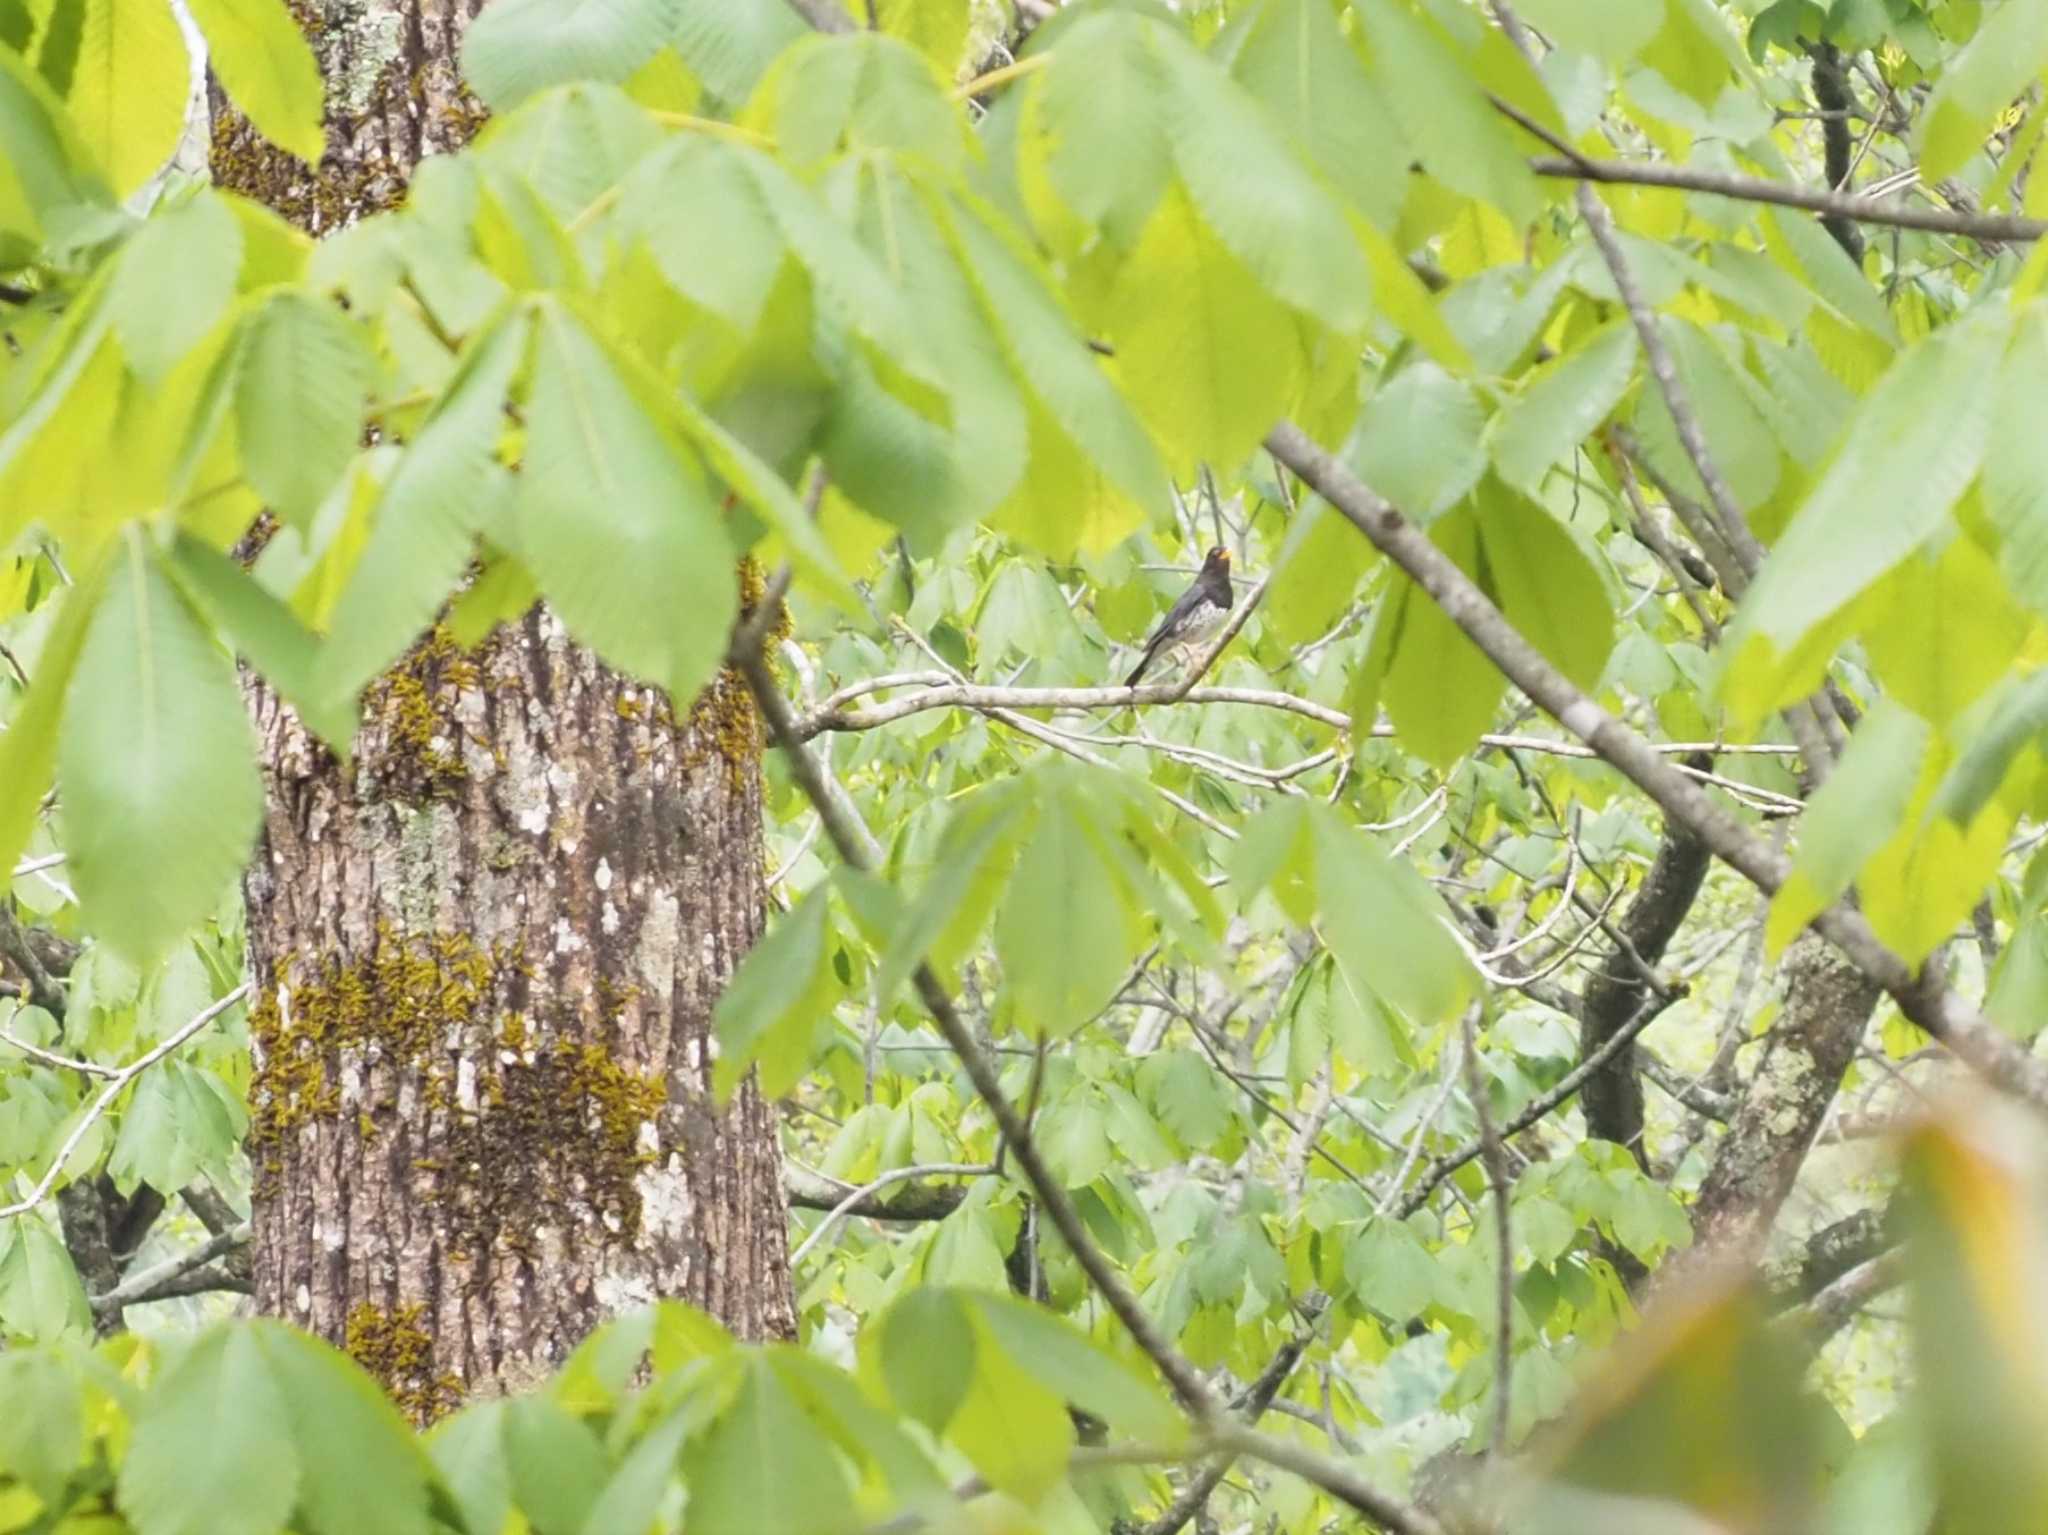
(146, 1284)
(1334, 1477)
(870, 1189)
(1500, 1180)
(1923, 997)
(112, 1091)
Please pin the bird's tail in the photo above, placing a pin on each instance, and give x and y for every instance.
(1139, 670)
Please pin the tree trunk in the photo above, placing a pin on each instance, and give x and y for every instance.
(487, 953)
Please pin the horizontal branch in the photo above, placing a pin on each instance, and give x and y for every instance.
(161, 1281)
(920, 1202)
(1756, 189)
(1921, 996)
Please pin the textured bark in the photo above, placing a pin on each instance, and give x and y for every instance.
(486, 955)
(1612, 1098)
(1827, 1004)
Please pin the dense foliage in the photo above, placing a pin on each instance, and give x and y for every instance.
(1657, 520)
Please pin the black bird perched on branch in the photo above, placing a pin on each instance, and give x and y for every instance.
(1198, 614)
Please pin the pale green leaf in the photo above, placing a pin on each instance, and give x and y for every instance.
(155, 763)
(42, 1435)
(1304, 71)
(213, 1453)
(1419, 443)
(1913, 450)
(1851, 816)
(359, 1465)
(1388, 929)
(521, 47)
(1444, 114)
(1440, 690)
(433, 503)
(1078, 1369)
(267, 68)
(41, 1297)
(1252, 189)
(616, 522)
(1997, 65)
(1061, 934)
(175, 279)
(28, 749)
(1548, 421)
(765, 1468)
(769, 1009)
(304, 373)
(1545, 584)
(129, 86)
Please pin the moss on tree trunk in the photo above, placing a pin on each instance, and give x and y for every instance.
(487, 953)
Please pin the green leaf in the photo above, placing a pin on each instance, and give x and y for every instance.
(1851, 816)
(1062, 930)
(1298, 63)
(2015, 479)
(42, 1435)
(922, 1350)
(1981, 81)
(770, 1008)
(176, 276)
(649, 581)
(1611, 30)
(267, 69)
(2018, 718)
(42, 150)
(425, 531)
(263, 631)
(41, 1297)
(1545, 584)
(1440, 690)
(1451, 126)
(1389, 1270)
(1063, 1358)
(1258, 197)
(128, 88)
(1388, 929)
(1552, 417)
(1419, 443)
(1726, 403)
(468, 1450)
(558, 1468)
(1945, 630)
(304, 373)
(155, 762)
(728, 43)
(521, 47)
(859, 92)
(765, 1468)
(1071, 397)
(212, 1452)
(1015, 1431)
(359, 1464)
(1913, 450)
(28, 749)
(1201, 350)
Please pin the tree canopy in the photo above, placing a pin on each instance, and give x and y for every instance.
(1533, 1028)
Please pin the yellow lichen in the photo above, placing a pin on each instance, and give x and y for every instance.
(395, 1349)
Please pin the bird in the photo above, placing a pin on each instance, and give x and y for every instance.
(1197, 614)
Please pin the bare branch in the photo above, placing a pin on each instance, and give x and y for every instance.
(157, 1281)
(850, 839)
(866, 1191)
(1500, 1179)
(1923, 996)
(1848, 205)
(112, 1091)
